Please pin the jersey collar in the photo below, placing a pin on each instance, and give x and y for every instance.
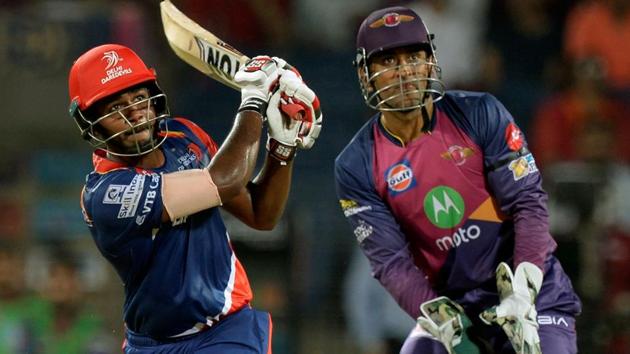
(102, 164)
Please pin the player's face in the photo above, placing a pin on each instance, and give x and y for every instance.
(400, 76)
(128, 120)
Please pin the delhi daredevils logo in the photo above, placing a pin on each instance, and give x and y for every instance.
(399, 177)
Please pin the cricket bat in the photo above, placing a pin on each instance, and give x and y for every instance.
(200, 48)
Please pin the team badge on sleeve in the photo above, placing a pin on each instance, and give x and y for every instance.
(523, 166)
(127, 196)
(363, 230)
(514, 137)
(351, 207)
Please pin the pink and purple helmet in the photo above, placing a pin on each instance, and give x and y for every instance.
(390, 28)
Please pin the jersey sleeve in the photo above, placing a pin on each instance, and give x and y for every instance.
(381, 239)
(203, 137)
(515, 181)
(123, 207)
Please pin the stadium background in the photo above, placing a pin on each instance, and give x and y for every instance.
(515, 49)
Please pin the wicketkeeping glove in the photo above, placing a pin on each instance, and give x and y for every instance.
(516, 312)
(446, 320)
(302, 120)
(258, 78)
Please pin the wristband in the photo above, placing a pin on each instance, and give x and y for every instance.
(281, 152)
(253, 104)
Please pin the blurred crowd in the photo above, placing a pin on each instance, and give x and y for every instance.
(561, 67)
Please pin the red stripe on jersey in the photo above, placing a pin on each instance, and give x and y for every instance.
(242, 293)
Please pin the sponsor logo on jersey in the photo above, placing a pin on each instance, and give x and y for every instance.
(457, 154)
(149, 200)
(351, 207)
(179, 221)
(444, 207)
(391, 19)
(552, 320)
(523, 166)
(363, 230)
(399, 177)
(460, 236)
(114, 194)
(131, 197)
(514, 137)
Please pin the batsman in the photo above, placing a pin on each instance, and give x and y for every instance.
(446, 202)
(152, 201)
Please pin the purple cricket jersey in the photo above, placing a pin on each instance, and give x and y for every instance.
(436, 217)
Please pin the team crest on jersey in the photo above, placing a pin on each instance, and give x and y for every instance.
(400, 177)
(514, 137)
(189, 157)
(195, 150)
(457, 154)
(523, 166)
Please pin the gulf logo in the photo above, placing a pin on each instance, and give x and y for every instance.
(399, 178)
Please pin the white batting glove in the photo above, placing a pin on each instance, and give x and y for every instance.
(293, 116)
(300, 103)
(258, 79)
(281, 131)
(516, 312)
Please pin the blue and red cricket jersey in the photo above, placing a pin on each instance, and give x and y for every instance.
(177, 276)
(436, 216)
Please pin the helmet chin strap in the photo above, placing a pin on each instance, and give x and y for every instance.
(426, 120)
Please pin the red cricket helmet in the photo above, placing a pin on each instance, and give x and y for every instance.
(104, 71)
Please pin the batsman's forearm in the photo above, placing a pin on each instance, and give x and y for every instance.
(233, 165)
(269, 192)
